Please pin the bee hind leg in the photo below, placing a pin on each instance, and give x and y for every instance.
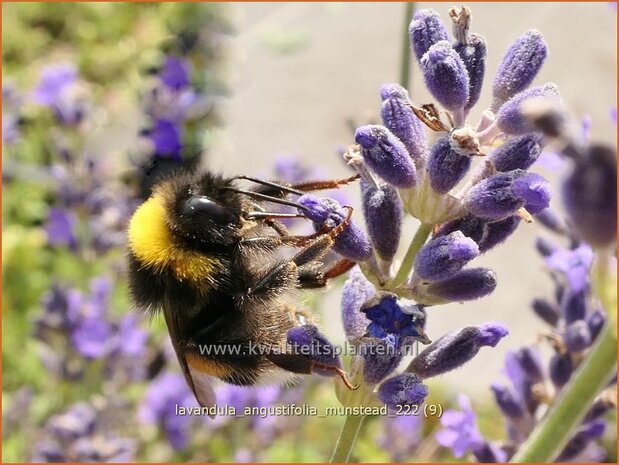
(312, 278)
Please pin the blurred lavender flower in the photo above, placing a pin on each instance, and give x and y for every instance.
(60, 91)
(12, 102)
(400, 435)
(78, 436)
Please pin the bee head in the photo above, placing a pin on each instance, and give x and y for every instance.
(201, 210)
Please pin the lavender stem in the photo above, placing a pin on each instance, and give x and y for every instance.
(405, 58)
(347, 438)
(407, 263)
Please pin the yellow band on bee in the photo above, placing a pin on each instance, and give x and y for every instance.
(208, 366)
(154, 246)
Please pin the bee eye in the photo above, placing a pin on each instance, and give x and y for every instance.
(210, 208)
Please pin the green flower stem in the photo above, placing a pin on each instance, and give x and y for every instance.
(407, 263)
(557, 427)
(405, 59)
(347, 439)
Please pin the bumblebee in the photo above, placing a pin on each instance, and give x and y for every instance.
(205, 252)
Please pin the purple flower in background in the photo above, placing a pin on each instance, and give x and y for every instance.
(164, 394)
(166, 139)
(55, 79)
(60, 228)
(175, 73)
(575, 264)
(11, 107)
(460, 432)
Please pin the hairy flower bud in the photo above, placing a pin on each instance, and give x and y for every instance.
(518, 152)
(551, 220)
(456, 348)
(530, 362)
(445, 76)
(574, 305)
(402, 389)
(501, 195)
(469, 225)
(595, 321)
(425, 30)
(507, 401)
(468, 284)
(446, 166)
(399, 118)
(380, 357)
(356, 291)
(498, 232)
(577, 336)
(382, 209)
(386, 155)
(473, 54)
(546, 311)
(510, 118)
(351, 243)
(444, 256)
(560, 369)
(519, 66)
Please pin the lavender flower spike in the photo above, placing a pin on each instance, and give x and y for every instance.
(399, 118)
(403, 389)
(510, 119)
(351, 243)
(425, 30)
(382, 209)
(446, 166)
(455, 349)
(503, 194)
(468, 284)
(518, 67)
(446, 76)
(386, 155)
(444, 256)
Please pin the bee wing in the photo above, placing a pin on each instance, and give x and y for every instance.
(200, 383)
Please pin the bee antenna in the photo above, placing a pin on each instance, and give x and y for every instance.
(266, 198)
(281, 187)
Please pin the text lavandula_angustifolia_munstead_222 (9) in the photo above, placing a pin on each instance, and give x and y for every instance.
(469, 189)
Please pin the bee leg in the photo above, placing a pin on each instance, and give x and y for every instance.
(324, 185)
(302, 365)
(311, 278)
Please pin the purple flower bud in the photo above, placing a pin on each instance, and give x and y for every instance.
(309, 342)
(351, 243)
(574, 305)
(446, 167)
(531, 363)
(518, 152)
(600, 407)
(399, 118)
(469, 225)
(445, 76)
(489, 453)
(386, 155)
(319, 208)
(380, 358)
(465, 285)
(502, 194)
(454, 349)
(510, 119)
(175, 73)
(560, 369)
(546, 246)
(581, 439)
(550, 219)
(590, 196)
(596, 320)
(498, 232)
(403, 389)
(357, 290)
(577, 336)
(473, 54)
(518, 67)
(546, 311)
(444, 256)
(507, 401)
(382, 209)
(425, 30)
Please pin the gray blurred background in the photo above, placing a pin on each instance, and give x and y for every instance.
(302, 70)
